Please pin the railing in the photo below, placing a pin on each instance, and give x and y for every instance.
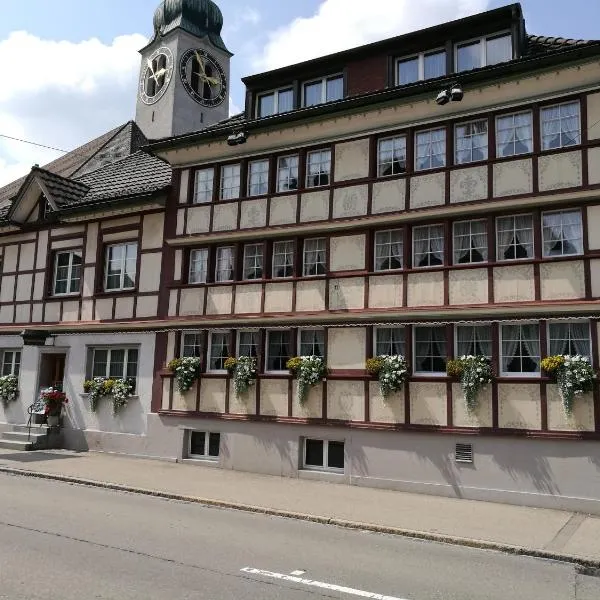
(36, 407)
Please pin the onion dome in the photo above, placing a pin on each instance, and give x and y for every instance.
(198, 17)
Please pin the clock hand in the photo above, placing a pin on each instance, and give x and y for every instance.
(156, 75)
(149, 63)
(200, 63)
(212, 80)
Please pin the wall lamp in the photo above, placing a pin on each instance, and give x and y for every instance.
(237, 137)
(454, 93)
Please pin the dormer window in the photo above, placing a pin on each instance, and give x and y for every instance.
(326, 89)
(484, 51)
(45, 208)
(275, 102)
(426, 65)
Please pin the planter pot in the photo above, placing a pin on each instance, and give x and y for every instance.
(53, 420)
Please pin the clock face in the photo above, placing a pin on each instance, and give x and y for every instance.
(156, 75)
(203, 77)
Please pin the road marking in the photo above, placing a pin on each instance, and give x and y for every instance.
(297, 573)
(320, 584)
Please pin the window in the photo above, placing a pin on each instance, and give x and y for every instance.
(253, 261)
(230, 182)
(258, 177)
(248, 343)
(203, 187)
(224, 265)
(191, 343)
(283, 259)
(323, 455)
(115, 363)
(430, 350)
(311, 342)
(474, 340)
(561, 126)
(423, 66)
(569, 338)
(471, 142)
(562, 233)
(514, 134)
(204, 444)
(428, 246)
(431, 149)
(389, 249)
(276, 102)
(514, 237)
(218, 350)
(470, 242)
(198, 266)
(327, 89)
(287, 173)
(483, 52)
(67, 272)
(278, 349)
(318, 168)
(391, 156)
(520, 349)
(389, 341)
(314, 262)
(121, 262)
(11, 362)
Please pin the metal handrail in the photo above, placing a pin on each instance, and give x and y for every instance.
(31, 409)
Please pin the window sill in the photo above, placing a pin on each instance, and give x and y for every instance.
(112, 293)
(86, 395)
(201, 461)
(61, 297)
(322, 474)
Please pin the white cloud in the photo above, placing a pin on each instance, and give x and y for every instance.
(341, 24)
(62, 94)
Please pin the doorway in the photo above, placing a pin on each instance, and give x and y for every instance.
(52, 371)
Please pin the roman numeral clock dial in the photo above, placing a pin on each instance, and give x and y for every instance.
(203, 77)
(156, 75)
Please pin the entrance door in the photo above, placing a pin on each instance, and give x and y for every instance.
(52, 371)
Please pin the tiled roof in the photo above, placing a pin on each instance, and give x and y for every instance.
(62, 190)
(543, 44)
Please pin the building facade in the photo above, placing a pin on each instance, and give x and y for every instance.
(431, 195)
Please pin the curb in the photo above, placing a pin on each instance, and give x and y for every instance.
(408, 533)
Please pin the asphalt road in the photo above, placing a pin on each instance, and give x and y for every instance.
(67, 542)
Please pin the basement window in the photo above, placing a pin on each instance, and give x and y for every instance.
(204, 444)
(323, 455)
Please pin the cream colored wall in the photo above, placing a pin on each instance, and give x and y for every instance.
(283, 210)
(346, 347)
(593, 116)
(278, 297)
(24, 287)
(557, 171)
(468, 286)
(58, 244)
(254, 213)
(513, 177)
(218, 301)
(310, 295)
(153, 231)
(385, 410)
(428, 403)
(312, 407)
(519, 406)
(514, 284)
(347, 253)
(595, 277)
(150, 264)
(385, 291)
(468, 184)
(186, 401)
(480, 417)
(593, 229)
(350, 201)
(212, 395)
(274, 397)
(426, 289)
(347, 293)
(225, 216)
(147, 306)
(389, 196)
(9, 263)
(184, 186)
(27, 257)
(244, 404)
(582, 418)
(124, 307)
(427, 190)
(314, 206)
(352, 160)
(345, 400)
(563, 280)
(248, 298)
(198, 219)
(108, 224)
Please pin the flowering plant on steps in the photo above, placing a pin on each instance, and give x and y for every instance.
(309, 370)
(187, 371)
(53, 401)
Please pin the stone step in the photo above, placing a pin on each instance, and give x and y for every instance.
(34, 428)
(23, 436)
(16, 445)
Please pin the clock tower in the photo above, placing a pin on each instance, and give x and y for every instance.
(184, 78)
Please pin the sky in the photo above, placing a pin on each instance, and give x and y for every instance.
(70, 67)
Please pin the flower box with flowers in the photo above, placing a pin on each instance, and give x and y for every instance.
(243, 371)
(308, 370)
(474, 372)
(186, 370)
(120, 390)
(9, 389)
(391, 371)
(573, 374)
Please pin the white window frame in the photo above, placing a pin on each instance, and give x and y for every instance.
(238, 340)
(204, 252)
(288, 169)
(420, 56)
(69, 279)
(568, 322)
(259, 174)
(514, 114)
(500, 258)
(222, 189)
(110, 350)
(198, 342)
(325, 467)
(321, 162)
(121, 287)
(245, 272)
(377, 329)
(209, 368)
(393, 139)
(305, 330)
(13, 363)
(534, 374)
(455, 260)
(275, 93)
(233, 259)
(430, 155)
(473, 324)
(470, 137)
(388, 244)
(293, 254)
(414, 351)
(323, 81)
(206, 456)
(482, 48)
(566, 210)
(304, 252)
(558, 105)
(282, 371)
(207, 195)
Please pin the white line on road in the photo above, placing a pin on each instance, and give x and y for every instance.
(319, 584)
(297, 572)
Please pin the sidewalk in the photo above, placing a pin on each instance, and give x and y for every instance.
(533, 531)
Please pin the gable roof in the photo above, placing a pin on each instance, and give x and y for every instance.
(62, 191)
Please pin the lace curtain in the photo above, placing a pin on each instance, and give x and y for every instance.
(569, 338)
(560, 126)
(515, 237)
(428, 246)
(562, 233)
(388, 255)
(513, 134)
(470, 236)
(475, 340)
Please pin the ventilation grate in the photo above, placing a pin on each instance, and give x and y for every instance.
(463, 453)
